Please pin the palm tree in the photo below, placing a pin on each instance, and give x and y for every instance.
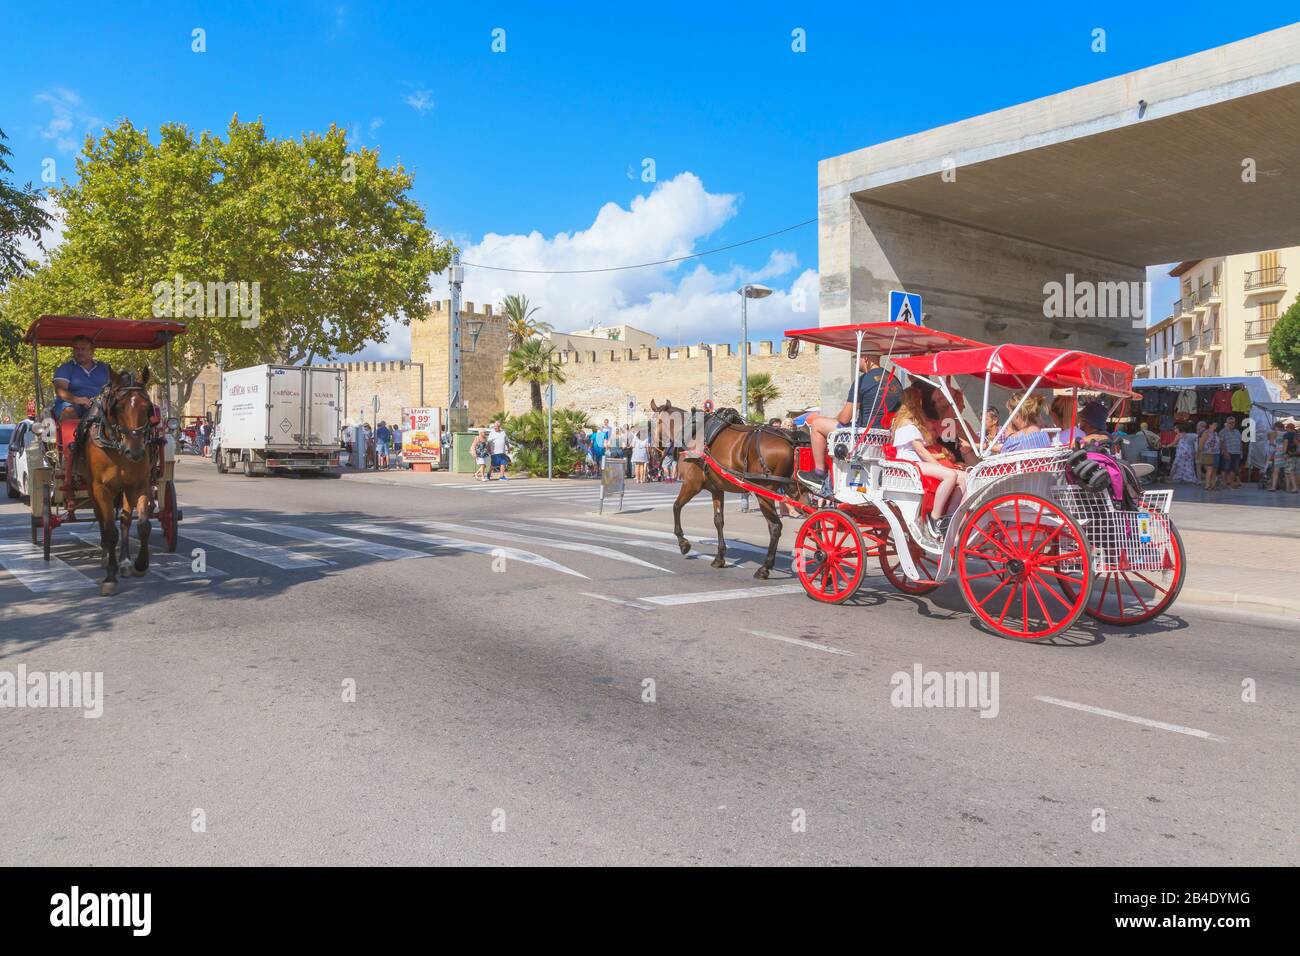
(761, 391)
(520, 324)
(536, 362)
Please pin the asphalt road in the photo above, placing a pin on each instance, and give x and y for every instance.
(500, 640)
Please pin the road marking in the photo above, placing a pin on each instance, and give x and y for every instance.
(592, 549)
(255, 550)
(639, 605)
(587, 536)
(459, 544)
(704, 597)
(168, 565)
(801, 642)
(1158, 724)
(375, 549)
(24, 561)
(648, 533)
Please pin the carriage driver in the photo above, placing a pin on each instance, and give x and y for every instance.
(878, 392)
(78, 380)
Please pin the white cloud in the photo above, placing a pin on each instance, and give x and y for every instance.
(421, 100)
(51, 238)
(687, 302)
(69, 119)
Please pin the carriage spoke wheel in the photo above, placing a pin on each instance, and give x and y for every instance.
(47, 520)
(1129, 597)
(169, 517)
(926, 563)
(829, 556)
(1024, 567)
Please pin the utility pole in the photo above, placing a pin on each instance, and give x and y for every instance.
(456, 277)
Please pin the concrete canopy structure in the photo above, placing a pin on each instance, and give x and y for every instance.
(1096, 183)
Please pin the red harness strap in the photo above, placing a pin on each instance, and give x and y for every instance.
(749, 486)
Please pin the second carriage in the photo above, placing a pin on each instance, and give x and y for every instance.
(1032, 546)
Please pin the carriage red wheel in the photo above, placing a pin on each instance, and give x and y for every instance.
(829, 556)
(47, 520)
(1024, 567)
(1129, 597)
(926, 563)
(169, 517)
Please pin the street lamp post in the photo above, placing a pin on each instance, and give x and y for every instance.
(746, 292)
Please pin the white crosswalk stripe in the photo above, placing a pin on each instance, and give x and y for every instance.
(375, 549)
(26, 564)
(593, 549)
(255, 550)
(172, 567)
(460, 544)
(582, 494)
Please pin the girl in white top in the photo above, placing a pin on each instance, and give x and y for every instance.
(911, 438)
(640, 455)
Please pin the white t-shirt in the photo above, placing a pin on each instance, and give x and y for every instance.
(903, 438)
(497, 440)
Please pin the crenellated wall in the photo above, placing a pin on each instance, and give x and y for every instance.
(599, 383)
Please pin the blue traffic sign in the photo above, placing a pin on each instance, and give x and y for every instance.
(905, 307)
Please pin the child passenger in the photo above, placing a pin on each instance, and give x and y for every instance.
(911, 438)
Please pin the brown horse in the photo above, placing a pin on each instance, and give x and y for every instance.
(760, 454)
(117, 451)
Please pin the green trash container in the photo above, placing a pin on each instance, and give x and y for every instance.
(462, 453)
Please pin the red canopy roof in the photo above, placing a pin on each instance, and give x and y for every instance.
(883, 338)
(104, 333)
(1017, 366)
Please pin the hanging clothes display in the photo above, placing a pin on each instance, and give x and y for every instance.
(1241, 400)
(1221, 403)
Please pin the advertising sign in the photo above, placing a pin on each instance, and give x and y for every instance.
(422, 434)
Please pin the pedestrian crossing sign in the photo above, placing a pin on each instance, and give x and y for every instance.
(904, 307)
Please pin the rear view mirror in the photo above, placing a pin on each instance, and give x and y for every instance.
(792, 348)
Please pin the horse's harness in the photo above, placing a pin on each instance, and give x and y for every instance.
(751, 444)
(103, 428)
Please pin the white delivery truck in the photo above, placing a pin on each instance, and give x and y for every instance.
(277, 418)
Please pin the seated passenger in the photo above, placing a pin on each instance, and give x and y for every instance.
(78, 380)
(912, 436)
(878, 392)
(1062, 413)
(1026, 424)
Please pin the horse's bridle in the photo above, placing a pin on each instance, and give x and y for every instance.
(111, 434)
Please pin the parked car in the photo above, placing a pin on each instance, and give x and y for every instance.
(13, 457)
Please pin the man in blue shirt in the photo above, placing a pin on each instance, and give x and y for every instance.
(78, 380)
(878, 392)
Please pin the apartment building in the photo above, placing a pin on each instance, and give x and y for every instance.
(1221, 320)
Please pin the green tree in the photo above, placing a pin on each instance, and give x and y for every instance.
(528, 433)
(1284, 345)
(21, 217)
(761, 391)
(536, 362)
(328, 237)
(520, 324)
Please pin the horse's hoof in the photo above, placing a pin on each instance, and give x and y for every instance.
(139, 572)
(762, 573)
(108, 589)
(684, 546)
(718, 563)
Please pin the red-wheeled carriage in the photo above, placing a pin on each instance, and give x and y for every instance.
(59, 492)
(1032, 547)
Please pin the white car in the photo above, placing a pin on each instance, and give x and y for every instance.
(14, 461)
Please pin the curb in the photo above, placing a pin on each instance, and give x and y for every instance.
(1255, 603)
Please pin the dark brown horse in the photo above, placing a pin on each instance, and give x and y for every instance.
(760, 454)
(117, 452)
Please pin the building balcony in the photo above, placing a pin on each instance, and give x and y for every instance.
(1212, 292)
(1260, 330)
(1272, 374)
(1211, 339)
(1265, 280)
(1183, 350)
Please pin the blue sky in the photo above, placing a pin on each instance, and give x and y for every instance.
(519, 155)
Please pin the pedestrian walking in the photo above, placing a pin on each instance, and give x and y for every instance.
(482, 456)
(1210, 446)
(397, 445)
(1230, 456)
(383, 444)
(640, 455)
(500, 450)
